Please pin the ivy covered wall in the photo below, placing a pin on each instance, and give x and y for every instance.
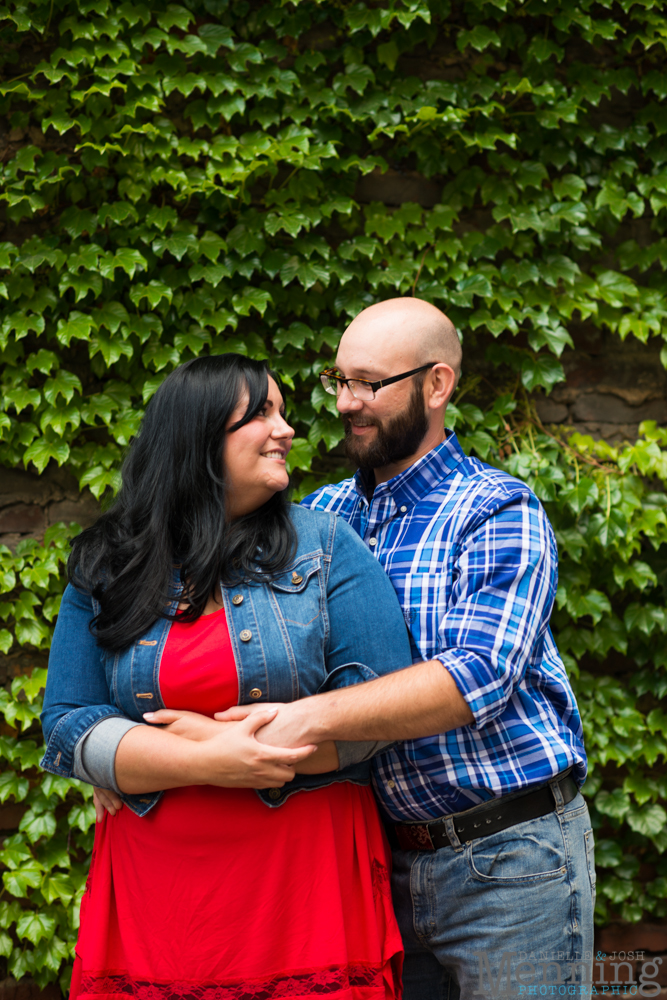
(239, 175)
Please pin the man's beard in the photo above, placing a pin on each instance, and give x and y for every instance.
(396, 439)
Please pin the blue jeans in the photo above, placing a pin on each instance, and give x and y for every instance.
(505, 915)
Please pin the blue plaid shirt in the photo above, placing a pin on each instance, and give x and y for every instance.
(473, 559)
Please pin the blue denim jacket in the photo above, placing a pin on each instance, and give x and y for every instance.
(331, 619)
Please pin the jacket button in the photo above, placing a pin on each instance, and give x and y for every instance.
(274, 793)
(255, 693)
(245, 635)
(296, 578)
(237, 599)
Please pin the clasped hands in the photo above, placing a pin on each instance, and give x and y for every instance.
(250, 743)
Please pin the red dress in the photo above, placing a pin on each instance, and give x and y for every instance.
(215, 896)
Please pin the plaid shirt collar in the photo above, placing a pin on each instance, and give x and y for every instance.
(418, 480)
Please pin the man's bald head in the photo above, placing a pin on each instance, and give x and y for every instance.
(403, 333)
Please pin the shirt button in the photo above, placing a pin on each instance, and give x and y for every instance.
(391, 784)
(245, 635)
(255, 693)
(403, 510)
(237, 599)
(373, 541)
(275, 793)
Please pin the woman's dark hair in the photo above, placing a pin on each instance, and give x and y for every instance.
(171, 507)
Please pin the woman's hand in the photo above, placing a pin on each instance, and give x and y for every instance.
(105, 799)
(190, 725)
(235, 758)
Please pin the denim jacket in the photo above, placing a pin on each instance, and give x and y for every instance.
(330, 619)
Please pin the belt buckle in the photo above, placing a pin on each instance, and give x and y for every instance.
(414, 838)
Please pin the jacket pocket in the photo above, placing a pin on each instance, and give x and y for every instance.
(347, 675)
(299, 591)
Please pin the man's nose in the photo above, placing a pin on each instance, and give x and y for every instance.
(346, 402)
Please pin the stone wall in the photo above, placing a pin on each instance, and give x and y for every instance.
(29, 503)
(611, 386)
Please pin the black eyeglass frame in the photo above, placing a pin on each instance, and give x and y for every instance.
(373, 386)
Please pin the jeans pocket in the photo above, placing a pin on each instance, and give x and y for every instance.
(525, 853)
(589, 840)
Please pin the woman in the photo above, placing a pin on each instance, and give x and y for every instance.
(203, 588)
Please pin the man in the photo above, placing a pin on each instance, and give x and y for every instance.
(493, 866)
(493, 849)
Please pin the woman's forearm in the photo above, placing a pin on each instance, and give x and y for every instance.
(151, 760)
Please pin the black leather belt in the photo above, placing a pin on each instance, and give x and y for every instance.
(482, 820)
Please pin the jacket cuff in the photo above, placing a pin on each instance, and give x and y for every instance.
(354, 753)
(95, 752)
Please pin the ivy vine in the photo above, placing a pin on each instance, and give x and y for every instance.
(221, 175)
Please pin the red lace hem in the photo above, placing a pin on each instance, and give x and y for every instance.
(319, 982)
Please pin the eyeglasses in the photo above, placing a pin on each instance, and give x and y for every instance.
(361, 388)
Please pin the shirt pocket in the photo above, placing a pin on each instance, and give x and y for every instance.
(299, 591)
(424, 604)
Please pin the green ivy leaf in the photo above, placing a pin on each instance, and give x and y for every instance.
(28, 876)
(12, 784)
(42, 451)
(81, 816)
(541, 370)
(648, 821)
(56, 886)
(35, 926)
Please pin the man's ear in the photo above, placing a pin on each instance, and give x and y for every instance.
(440, 384)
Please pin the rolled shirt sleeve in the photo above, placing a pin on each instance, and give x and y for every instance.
(505, 582)
(355, 753)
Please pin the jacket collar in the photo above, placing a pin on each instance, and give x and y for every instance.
(415, 482)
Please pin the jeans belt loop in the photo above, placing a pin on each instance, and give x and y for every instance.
(451, 833)
(558, 796)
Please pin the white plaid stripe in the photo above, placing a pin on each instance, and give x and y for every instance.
(473, 559)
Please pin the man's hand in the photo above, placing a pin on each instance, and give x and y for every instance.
(284, 730)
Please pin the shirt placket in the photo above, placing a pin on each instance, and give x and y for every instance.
(378, 512)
